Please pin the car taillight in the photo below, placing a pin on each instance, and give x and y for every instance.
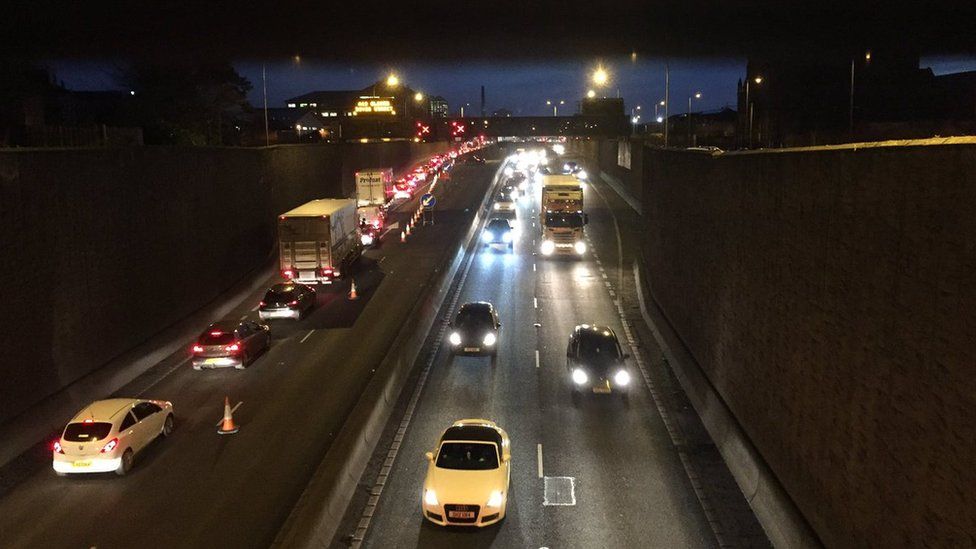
(234, 347)
(261, 304)
(56, 446)
(288, 273)
(293, 303)
(110, 445)
(198, 348)
(326, 271)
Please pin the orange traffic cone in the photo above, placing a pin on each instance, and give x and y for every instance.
(403, 236)
(352, 292)
(227, 426)
(408, 227)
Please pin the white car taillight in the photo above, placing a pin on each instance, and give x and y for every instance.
(110, 445)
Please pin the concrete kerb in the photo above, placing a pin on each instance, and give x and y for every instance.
(319, 511)
(775, 510)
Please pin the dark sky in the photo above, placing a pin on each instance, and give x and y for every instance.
(521, 87)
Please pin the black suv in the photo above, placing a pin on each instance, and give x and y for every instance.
(475, 330)
(595, 362)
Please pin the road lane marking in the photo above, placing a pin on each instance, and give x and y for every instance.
(306, 336)
(164, 376)
(255, 307)
(533, 267)
(535, 302)
(232, 410)
(537, 358)
(538, 451)
(244, 318)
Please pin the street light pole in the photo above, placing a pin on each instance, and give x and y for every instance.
(667, 99)
(697, 95)
(264, 85)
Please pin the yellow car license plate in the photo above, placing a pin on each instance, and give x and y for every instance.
(601, 389)
(82, 463)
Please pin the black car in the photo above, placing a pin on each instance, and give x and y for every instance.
(595, 362)
(287, 300)
(498, 232)
(230, 344)
(475, 330)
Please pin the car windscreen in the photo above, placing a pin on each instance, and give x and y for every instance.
(598, 351)
(564, 220)
(472, 456)
(216, 337)
(86, 432)
(473, 319)
(498, 225)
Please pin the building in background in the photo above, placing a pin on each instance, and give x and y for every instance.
(439, 107)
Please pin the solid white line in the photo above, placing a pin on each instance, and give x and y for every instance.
(538, 451)
(306, 336)
(232, 410)
(537, 358)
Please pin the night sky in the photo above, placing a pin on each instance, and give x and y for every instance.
(522, 88)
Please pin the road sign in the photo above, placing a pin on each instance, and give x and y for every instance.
(428, 201)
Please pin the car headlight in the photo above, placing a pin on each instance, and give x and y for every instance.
(366, 239)
(454, 338)
(581, 174)
(489, 339)
(430, 497)
(487, 236)
(498, 206)
(507, 236)
(580, 247)
(621, 378)
(509, 171)
(548, 246)
(579, 377)
(495, 499)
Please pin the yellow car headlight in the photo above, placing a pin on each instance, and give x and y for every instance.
(430, 497)
(495, 499)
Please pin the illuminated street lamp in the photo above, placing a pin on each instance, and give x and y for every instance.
(656, 105)
(555, 106)
(697, 95)
(591, 94)
(418, 97)
(392, 80)
(757, 80)
(600, 76)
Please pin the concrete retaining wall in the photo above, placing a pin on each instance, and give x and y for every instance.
(103, 248)
(828, 296)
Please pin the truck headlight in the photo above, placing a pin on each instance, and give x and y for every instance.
(580, 247)
(581, 174)
(579, 377)
(430, 497)
(487, 236)
(548, 246)
(495, 499)
(489, 339)
(621, 378)
(455, 338)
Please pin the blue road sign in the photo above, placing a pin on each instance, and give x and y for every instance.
(428, 201)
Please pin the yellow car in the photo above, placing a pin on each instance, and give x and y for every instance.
(468, 475)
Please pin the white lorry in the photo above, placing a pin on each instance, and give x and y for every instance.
(562, 218)
(319, 240)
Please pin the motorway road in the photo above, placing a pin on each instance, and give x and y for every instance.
(198, 489)
(630, 487)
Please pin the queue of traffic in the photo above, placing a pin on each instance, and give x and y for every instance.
(469, 470)
(318, 242)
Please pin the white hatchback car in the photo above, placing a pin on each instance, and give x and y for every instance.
(468, 475)
(105, 435)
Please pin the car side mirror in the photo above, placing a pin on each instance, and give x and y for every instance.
(430, 456)
(626, 356)
(586, 219)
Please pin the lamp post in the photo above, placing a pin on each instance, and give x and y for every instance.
(555, 105)
(758, 80)
(656, 105)
(462, 108)
(697, 95)
(850, 115)
(667, 99)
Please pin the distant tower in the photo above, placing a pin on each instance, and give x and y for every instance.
(482, 101)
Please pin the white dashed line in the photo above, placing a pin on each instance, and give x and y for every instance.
(310, 332)
(537, 358)
(255, 308)
(535, 302)
(538, 453)
(244, 317)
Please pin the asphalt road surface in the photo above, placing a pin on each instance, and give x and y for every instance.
(198, 489)
(630, 488)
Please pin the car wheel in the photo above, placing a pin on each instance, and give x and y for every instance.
(494, 360)
(60, 474)
(125, 464)
(244, 361)
(168, 425)
(625, 397)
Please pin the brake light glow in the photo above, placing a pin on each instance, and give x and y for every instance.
(235, 346)
(288, 273)
(110, 445)
(198, 348)
(216, 333)
(56, 446)
(89, 420)
(292, 303)
(261, 304)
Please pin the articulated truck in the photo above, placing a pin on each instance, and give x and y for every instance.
(562, 218)
(319, 241)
